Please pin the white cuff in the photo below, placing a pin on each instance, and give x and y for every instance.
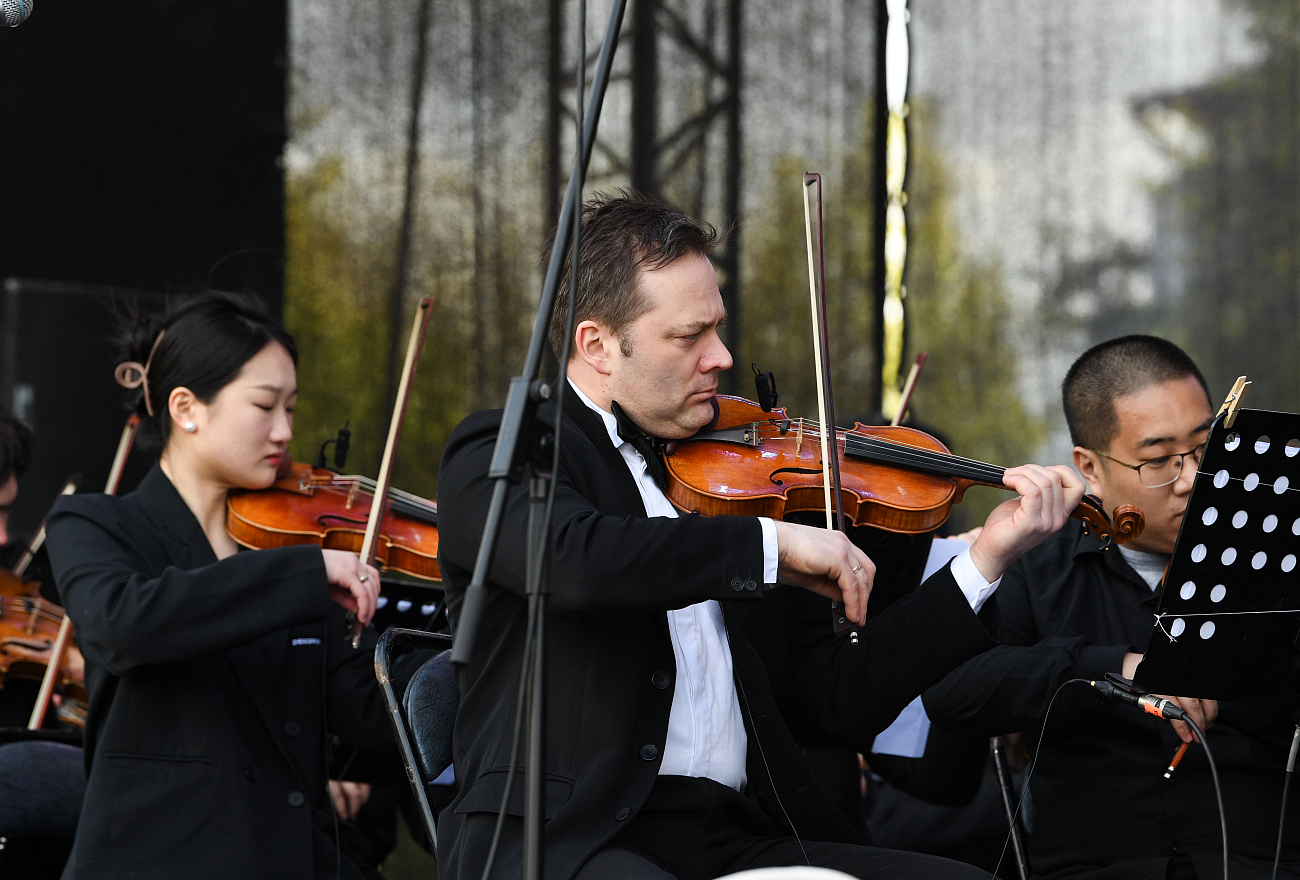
(770, 557)
(971, 582)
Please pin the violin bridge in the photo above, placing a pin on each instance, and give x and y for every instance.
(798, 441)
(352, 494)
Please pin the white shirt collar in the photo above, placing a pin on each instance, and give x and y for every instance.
(611, 423)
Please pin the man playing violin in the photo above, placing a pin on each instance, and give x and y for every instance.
(41, 783)
(1139, 414)
(15, 454)
(690, 657)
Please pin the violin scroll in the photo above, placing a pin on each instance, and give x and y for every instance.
(1126, 524)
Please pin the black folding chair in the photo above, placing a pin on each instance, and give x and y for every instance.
(425, 716)
(1011, 805)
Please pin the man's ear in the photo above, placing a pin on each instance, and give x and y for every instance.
(592, 343)
(1088, 463)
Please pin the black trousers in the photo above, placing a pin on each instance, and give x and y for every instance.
(698, 829)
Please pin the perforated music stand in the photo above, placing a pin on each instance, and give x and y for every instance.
(1228, 626)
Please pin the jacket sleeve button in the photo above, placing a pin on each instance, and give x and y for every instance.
(737, 584)
(649, 752)
(751, 585)
(625, 813)
(293, 728)
(660, 679)
(296, 799)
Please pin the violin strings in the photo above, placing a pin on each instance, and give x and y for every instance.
(402, 502)
(892, 452)
(393, 494)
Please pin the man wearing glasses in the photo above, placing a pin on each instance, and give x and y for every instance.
(1139, 414)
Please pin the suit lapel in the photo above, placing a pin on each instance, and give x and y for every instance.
(254, 667)
(594, 430)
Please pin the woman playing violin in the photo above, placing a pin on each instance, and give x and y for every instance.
(215, 676)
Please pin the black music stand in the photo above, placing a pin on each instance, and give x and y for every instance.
(1228, 626)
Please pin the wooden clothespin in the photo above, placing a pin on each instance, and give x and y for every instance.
(1233, 402)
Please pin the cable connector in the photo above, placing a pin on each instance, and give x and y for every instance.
(1158, 706)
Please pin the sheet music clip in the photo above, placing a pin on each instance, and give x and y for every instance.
(1232, 402)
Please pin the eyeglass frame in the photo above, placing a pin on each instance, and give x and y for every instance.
(1138, 467)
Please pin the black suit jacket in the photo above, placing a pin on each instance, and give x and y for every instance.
(212, 684)
(1070, 610)
(614, 574)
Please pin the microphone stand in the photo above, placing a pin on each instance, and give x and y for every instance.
(524, 450)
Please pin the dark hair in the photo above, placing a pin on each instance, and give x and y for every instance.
(621, 235)
(1112, 370)
(15, 447)
(209, 337)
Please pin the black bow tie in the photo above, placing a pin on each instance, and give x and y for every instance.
(651, 448)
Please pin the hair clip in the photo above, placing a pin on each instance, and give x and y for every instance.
(131, 374)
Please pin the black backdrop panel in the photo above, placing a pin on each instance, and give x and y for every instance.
(61, 360)
(142, 144)
(142, 148)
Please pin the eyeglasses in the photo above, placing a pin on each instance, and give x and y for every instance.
(1160, 471)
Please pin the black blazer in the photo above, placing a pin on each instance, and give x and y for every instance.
(212, 685)
(614, 574)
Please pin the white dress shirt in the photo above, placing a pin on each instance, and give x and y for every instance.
(706, 734)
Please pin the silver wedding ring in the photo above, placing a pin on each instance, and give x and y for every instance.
(857, 568)
(364, 578)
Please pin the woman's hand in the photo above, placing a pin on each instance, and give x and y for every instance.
(348, 797)
(353, 584)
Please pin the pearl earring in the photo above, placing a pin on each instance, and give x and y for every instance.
(190, 427)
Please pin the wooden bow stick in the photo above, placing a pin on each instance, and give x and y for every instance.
(369, 544)
(43, 696)
(821, 357)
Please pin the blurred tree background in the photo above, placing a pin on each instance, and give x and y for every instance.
(1073, 174)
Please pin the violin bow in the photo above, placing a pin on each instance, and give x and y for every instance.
(908, 387)
(821, 357)
(52, 669)
(38, 540)
(369, 545)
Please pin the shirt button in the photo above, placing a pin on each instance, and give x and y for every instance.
(649, 752)
(250, 774)
(660, 679)
(751, 584)
(296, 799)
(737, 584)
(622, 814)
(293, 728)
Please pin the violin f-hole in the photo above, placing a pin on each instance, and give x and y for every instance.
(791, 470)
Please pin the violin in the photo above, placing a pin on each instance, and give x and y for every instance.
(750, 462)
(317, 506)
(29, 629)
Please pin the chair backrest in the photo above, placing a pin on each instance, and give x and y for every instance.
(430, 704)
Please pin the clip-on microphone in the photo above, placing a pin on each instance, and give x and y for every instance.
(765, 388)
(341, 444)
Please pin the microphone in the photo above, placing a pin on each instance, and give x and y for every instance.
(15, 12)
(1157, 706)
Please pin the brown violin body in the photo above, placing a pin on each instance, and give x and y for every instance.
(317, 506)
(29, 626)
(756, 463)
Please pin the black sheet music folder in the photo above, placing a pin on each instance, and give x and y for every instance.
(1228, 627)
